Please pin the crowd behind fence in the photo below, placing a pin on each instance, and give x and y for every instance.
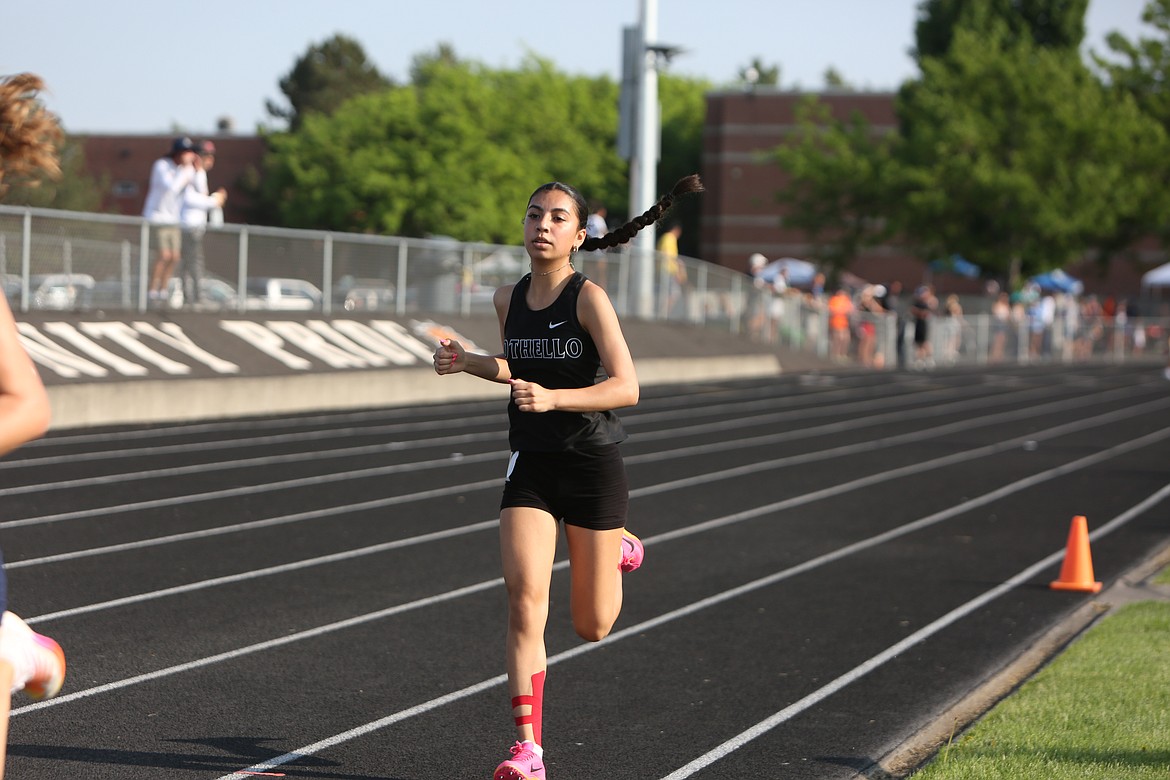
(70, 261)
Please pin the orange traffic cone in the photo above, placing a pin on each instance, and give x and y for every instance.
(1076, 573)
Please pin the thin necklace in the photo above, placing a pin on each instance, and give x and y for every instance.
(553, 271)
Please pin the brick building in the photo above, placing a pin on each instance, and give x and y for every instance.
(740, 213)
(124, 161)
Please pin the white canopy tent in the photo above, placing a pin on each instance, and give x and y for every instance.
(1158, 277)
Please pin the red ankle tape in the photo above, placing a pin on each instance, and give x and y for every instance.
(535, 700)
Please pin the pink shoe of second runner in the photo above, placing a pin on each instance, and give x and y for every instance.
(632, 552)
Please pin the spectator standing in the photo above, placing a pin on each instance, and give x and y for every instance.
(169, 178)
(922, 309)
(1001, 325)
(870, 312)
(954, 323)
(758, 324)
(674, 273)
(840, 321)
(596, 227)
(892, 303)
(198, 205)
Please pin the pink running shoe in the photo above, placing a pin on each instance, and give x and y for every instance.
(47, 659)
(523, 765)
(632, 552)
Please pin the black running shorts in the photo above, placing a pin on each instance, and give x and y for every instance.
(585, 488)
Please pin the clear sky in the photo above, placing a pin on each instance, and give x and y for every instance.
(133, 66)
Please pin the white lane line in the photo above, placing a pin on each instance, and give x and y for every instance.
(186, 429)
(259, 646)
(878, 419)
(318, 479)
(231, 465)
(787, 713)
(418, 427)
(718, 522)
(634, 459)
(399, 446)
(377, 415)
(667, 617)
(721, 426)
(344, 475)
(433, 442)
(1078, 425)
(253, 574)
(229, 444)
(252, 525)
(892, 652)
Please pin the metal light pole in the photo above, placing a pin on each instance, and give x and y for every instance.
(644, 165)
(638, 142)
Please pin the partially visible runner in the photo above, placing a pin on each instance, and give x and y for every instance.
(29, 138)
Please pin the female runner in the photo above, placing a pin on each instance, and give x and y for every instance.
(569, 367)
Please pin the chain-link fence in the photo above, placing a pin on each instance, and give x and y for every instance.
(1072, 330)
(71, 261)
(82, 262)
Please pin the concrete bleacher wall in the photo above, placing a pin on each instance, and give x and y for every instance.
(177, 366)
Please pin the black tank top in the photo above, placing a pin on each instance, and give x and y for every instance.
(551, 348)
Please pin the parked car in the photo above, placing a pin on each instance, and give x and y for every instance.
(282, 294)
(215, 292)
(61, 292)
(364, 294)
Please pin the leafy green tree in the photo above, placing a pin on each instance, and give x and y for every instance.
(836, 82)
(1142, 68)
(684, 111)
(1008, 151)
(424, 64)
(1016, 157)
(456, 154)
(326, 76)
(1058, 24)
(841, 181)
(757, 72)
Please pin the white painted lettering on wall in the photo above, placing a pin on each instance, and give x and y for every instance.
(173, 336)
(54, 357)
(260, 337)
(63, 331)
(126, 337)
(135, 348)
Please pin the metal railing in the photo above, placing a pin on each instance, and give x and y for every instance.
(1073, 334)
(73, 261)
(79, 261)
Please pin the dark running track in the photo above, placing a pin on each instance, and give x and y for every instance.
(832, 561)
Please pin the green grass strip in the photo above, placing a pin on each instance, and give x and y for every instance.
(1099, 711)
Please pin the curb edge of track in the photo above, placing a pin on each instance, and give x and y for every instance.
(947, 726)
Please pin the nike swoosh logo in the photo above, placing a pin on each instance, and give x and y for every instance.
(552, 325)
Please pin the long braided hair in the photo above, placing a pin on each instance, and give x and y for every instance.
(29, 135)
(684, 186)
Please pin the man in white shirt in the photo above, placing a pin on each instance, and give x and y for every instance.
(197, 205)
(169, 177)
